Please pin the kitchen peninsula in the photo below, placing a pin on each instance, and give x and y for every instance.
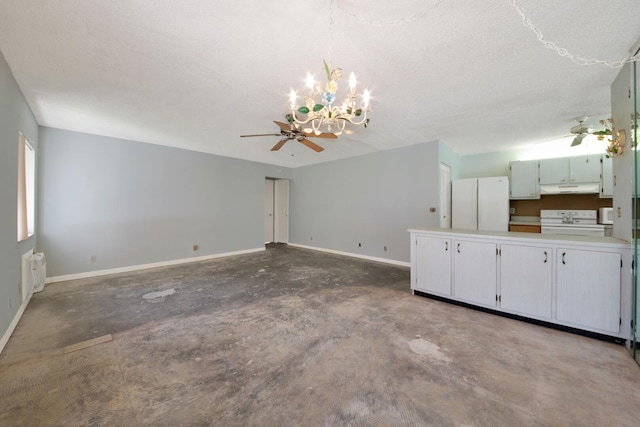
(576, 282)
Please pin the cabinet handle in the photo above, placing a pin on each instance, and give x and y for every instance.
(446, 246)
(545, 257)
(563, 254)
(458, 247)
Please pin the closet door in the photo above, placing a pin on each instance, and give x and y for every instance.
(281, 211)
(268, 210)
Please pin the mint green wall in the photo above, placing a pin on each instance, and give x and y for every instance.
(450, 158)
(486, 164)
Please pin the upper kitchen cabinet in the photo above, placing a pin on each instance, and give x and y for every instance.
(554, 171)
(585, 168)
(523, 180)
(570, 170)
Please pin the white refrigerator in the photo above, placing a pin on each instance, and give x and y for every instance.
(480, 203)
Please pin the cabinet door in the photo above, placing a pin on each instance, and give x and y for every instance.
(523, 180)
(584, 168)
(588, 289)
(475, 277)
(526, 275)
(606, 187)
(554, 171)
(433, 269)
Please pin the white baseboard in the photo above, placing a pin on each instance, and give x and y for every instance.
(350, 254)
(127, 269)
(14, 322)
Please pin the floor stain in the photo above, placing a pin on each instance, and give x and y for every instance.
(426, 348)
(158, 294)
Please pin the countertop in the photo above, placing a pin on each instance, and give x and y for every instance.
(521, 235)
(524, 220)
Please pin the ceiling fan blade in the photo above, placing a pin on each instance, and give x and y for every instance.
(279, 144)
(260, 134)
(314, 147)
(577, 140)
(284, 126)
(321, 135)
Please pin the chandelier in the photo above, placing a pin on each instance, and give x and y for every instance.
(321, 109)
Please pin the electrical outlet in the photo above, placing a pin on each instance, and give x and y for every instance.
(195, 247)
(359, 245)
(93, 258)
(385, 249)
(311, 237)
(512, 210)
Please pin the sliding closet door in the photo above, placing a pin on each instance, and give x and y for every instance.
(268, 210)
(281, 211)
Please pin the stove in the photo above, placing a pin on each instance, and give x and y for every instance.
(571, 222)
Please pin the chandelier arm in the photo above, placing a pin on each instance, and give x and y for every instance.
(349, 118)
(297, 120)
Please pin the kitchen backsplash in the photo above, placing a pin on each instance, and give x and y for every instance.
(558, 201)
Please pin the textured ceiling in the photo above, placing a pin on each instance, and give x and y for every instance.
(197, 74)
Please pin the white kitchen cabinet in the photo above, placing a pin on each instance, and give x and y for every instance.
(526, 278)
(588, 289)
(474, 273)
(570, 170)
(606, 189)
(554, 171)
(523, 180)
(581, 285)
(433, 273)
(585, 168)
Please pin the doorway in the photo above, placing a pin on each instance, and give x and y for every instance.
(445, 196)
(276, 211)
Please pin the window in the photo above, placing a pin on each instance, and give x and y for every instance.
(26, 188)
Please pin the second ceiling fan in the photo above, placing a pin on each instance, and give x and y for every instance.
(291, 132)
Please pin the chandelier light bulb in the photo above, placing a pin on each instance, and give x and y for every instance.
(310, 81)
(292, 99)
(365, 98)
(352, 81)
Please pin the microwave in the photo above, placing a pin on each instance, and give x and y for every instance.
(605, 216)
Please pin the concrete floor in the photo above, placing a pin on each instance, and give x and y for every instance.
(292, 337)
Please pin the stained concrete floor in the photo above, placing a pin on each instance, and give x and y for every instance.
(293, 337)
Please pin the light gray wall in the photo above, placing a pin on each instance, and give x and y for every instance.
(15, 117)
(370, 199)
(129, 203)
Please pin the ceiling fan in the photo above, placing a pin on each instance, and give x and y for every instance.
(291, 131)
(580, 131)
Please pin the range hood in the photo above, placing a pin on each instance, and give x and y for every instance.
(583, 188)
